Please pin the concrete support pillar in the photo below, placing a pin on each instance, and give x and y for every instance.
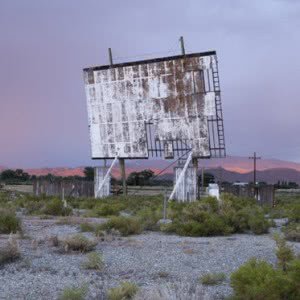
(100, 173)
(187, 189)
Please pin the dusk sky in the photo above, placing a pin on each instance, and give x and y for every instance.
(44, 45)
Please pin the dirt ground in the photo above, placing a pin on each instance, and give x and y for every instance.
(150, 260)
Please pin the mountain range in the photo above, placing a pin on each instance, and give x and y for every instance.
(231, 168)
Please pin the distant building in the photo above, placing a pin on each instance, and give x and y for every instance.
(240, 183)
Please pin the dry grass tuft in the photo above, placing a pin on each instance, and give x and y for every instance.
(124, 291)
(10, 252)
(189, 251)
(163, 274)
(78, 242)
(73, 293)
(212, 278)
(94, 261)
(172, 291)
(54, 241)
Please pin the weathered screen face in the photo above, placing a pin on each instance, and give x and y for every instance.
(174, 95)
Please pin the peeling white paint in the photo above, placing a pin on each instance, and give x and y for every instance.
(170, 93)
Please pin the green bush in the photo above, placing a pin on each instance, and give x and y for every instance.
(238, 219)
(284, 253)
(125, 291)
(248, 218)
(149, 217)
(208, 217)
(212, 225)
(212, 278)
(293, 279)
(55, 207)
(292, 232)
(108, 209)
(34, 207)
(258, 224)
(126, 226)
(294, 213)
(9, 223)
(258, 280)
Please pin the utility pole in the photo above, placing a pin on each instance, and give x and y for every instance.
(254, 157)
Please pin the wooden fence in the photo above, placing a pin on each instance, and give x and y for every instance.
(74, 188)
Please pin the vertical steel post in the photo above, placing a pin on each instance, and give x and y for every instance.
(202, 180)
(165, 204)
(110, 57)
(123, 175)
(195, 165)
(182, 45)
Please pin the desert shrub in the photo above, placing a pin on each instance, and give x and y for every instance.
(257, 280)
(94, 261)
(260, 280)
(78, 242)
(212, 225)
(294, 213)
(237, 203)
(124, 291)
(212, 278)
(292, 232)
(9, 223)
(248, 218)
(287, 206)
(212, 204)
(108, 209)
(293, 279)
(283, 252)
(10, 252)
(197, 222)
(208, 217)
(126, 226)
(278, 213)
(99, 231)
(239, 219)
(258, 224)
(149, 217)
(84, 203)
(87, 227)
(74, 293)
(34, 207)
(55, 207)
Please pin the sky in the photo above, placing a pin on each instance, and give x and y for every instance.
(44, 45)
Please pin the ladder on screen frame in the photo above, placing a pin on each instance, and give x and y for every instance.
(219, 112)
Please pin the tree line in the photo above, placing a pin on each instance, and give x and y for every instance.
(137, 178)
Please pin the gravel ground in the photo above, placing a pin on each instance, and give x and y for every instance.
(150, 260)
